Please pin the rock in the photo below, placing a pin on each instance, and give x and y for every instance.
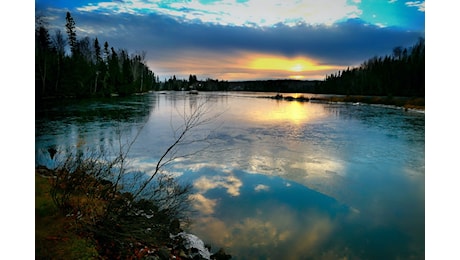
(52, 151)
(221, 255)
(174, 226)
(164, 253)
(194, 245)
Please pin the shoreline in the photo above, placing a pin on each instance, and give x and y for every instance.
(407, 103)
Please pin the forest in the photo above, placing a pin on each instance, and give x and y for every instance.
(90, 69)
(399, 74)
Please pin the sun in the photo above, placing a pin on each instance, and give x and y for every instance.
(297, 67)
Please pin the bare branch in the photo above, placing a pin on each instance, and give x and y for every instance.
(193, 118)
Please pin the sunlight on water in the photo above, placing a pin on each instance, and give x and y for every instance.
(279, 112)
(286, 112)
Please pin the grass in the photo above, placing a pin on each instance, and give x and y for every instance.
(82, 227)
(56, 236)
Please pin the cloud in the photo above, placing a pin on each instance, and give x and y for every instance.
(346, 43)
(420, 5)
(261, 187)
(249, 13)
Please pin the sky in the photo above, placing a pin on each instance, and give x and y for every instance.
(245, 39)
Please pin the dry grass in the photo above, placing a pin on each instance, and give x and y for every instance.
(56, 236)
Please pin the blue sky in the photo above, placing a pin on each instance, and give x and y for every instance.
(245, 39)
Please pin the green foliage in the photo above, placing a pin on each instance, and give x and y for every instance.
(402, 74)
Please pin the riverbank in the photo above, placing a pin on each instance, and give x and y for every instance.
(416, 103)
(74, 235)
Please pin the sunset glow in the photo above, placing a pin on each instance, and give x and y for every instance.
(286, 64)
(244, 65)
(245, 40)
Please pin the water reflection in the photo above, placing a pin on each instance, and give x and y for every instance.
(282, 180)
(277, 112)
(290, 112)
(74, 126)
(229, 182)
(268, 217)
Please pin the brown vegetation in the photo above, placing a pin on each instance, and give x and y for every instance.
(81, 228)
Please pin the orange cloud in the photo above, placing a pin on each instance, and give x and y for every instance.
(298, 64)
(237, 66)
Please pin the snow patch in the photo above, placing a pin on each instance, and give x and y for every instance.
(192, 241)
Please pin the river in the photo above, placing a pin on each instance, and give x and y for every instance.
(272, 179)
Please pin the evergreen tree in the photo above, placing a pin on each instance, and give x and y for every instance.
(401, 74)
(59, 44)
(106, 51)
(71, 34)
(97, 51)
(86, 71)
(42, 57)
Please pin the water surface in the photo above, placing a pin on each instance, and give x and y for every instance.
(280, 179)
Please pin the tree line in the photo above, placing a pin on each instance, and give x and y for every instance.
(193, 83)
(275, 85)
(399, 74)
(83, 67)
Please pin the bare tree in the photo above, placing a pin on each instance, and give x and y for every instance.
(138, 67)
(193, 118)
(59, 44)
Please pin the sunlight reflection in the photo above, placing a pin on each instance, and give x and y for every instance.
(320, 167)
(293, 112)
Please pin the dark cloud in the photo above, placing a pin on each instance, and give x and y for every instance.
(344, 44)
(351, 40)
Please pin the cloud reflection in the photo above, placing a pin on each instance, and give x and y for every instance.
(203, 204)
(270, 235)
(266, 218)
(262, 187)
(229, 182)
